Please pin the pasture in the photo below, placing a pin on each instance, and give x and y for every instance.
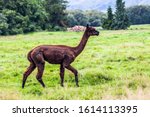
(114, 65)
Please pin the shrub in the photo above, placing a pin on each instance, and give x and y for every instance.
(3, 24)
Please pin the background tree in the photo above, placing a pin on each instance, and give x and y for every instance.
(108, 22)
(121, 18)
(71, 20)
(94, 17)
(3, 24)
(56, 12)
(76, 17)
(139, 14)
(79, 17)
(23, 16)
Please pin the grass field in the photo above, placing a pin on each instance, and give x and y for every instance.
(114, 65)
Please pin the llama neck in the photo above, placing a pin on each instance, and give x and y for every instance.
(81, 46)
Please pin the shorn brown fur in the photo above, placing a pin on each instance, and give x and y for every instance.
(56, 54)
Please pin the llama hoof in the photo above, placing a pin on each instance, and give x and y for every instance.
(77, 85)
(22, 87)
(62, 85)
(43, 86)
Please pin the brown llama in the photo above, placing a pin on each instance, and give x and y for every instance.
(56, 54)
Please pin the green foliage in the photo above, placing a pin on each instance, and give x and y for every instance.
(3, 24)
(56, 12)
(95, 17)
(23, 16)
(79, 17)
(14, 21)
(139, 14)
(120, 20)
(1, 5)
(108, 23)
(71, 20)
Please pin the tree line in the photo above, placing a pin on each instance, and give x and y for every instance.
(139, 14)
(23, 16)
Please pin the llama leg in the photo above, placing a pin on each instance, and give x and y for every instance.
(62, 70)
(40, 73)
(27, 73)
(40, 63)
(75, 73)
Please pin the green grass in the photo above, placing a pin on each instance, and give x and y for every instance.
(114, 65)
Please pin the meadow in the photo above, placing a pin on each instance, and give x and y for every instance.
(114, 65)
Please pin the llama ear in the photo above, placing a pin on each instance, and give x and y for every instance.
(87, 26)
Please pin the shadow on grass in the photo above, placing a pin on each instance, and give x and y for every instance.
(91, 79)
(96, 80)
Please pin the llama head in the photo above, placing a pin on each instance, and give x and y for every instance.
(91, 31)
